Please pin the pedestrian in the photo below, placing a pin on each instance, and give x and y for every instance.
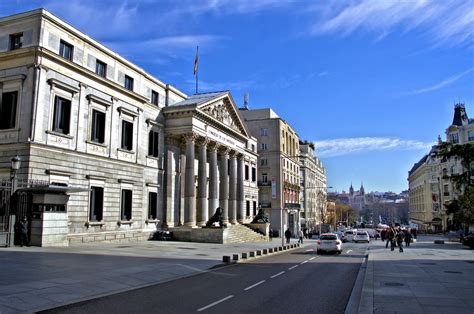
(399, 236)
(407, 237)
(270, 234)
(22, 228)
(301, 236)
(288, 235)
(383, 234)
(390, 234)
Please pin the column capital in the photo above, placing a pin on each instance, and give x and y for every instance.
(240, 156)
(224, 150)
(190, 137)
(232, 153)
(202, 141)
(212, 146)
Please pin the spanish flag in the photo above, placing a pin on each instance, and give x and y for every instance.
(196, 60)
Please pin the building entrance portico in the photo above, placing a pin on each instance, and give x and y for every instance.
(206, 144)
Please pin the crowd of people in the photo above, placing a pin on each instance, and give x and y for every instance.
(396, 236)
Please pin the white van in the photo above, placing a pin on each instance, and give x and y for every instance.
(349, 235)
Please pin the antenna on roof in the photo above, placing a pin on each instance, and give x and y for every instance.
(246, 101)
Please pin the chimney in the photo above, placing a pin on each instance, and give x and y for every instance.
(246, 101)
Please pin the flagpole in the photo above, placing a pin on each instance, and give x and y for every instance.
(197, 69)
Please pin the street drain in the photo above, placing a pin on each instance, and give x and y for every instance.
(186, 248)
(123, 247)
(394, 284)
(453, 272)
(428, 263)
(202, 254)
(427, 254)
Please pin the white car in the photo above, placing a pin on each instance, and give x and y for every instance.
(361, 236)
(329, 242)
(349, 235)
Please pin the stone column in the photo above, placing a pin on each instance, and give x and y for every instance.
(169, 183)
(240, 188)
(233, 188)
(224, 184)
(213, 179)
(202, 211)
(189, 186)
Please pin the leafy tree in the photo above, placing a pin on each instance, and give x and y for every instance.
(466, 154)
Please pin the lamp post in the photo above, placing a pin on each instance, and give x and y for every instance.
(15, 165)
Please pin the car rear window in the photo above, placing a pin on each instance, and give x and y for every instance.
(349, 232)
(328, 237)
(361, 233)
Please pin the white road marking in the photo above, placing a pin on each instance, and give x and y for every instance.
(276, 275)
(303, 262)
(253, 286)
(348, 251)
(312, 258)
(363, 261)
(308, 250)
(215, 303)
(293, 267)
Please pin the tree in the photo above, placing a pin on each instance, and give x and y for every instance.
(466, 154)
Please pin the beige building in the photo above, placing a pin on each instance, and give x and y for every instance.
(313, 193)
(430, 186)
(138, 153)
(279, 169)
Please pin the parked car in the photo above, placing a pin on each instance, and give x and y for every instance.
(349, 235)
(329, 242)
(468, 240)
(361, 236)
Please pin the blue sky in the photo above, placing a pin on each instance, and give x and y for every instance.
(372, 83)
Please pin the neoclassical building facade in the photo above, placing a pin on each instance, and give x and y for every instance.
(140, 153)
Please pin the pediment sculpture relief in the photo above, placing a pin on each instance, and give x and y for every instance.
(219, 111)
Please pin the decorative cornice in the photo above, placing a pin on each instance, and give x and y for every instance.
(126, 111)
(57, 83)
(101, 101)
(95, 177)
(58, 172)
(154, 123)
(127, 181)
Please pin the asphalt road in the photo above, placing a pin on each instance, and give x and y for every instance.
(298, 281)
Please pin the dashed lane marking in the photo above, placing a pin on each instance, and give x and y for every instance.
(254, 285)
(215, 303)
(276, 275)
(309, 250)
(293, 267)
(348, 251)
(312, 258)
(303, 262)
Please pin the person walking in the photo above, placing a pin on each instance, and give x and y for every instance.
(399, 236)
(390, 238)
(288, 235)
(22, 227)
(301, 236)
(407, 237)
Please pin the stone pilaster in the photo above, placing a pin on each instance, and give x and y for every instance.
(240, 188)
(233, 188)
(202, 210)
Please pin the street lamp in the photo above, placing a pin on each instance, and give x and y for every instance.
(15, 165)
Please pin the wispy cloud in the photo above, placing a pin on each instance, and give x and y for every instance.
(450, 80)
(448, 22)
(347, 146)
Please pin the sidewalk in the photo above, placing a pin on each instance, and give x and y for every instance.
(35, 278)
(425, 278)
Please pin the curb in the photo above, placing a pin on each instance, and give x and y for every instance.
(353, 305)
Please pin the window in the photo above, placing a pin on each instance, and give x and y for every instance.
(8, 104)
(254, 174)
(263, 162)
(61, 116)
(470, 136)
(263, 132)
(152, 205)
(153, 143)
(253, 147)
(100, 68)
(126, 205)
(454, 138)
(254, 208)
(98, 127)
(247, 208)
(264, 177)
(127, 135)
(16, 41)
(65, 50)
(96, 204)
(155, 97)
(264, 146)
(247, 172)
(128, 83)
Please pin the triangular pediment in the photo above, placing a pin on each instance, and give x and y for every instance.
(224, 110)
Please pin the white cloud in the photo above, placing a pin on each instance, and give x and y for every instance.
(450, 80)
(347, 146)
(448, 22)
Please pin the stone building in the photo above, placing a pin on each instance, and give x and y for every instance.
(313, 181)
(430, 186)
(144, 153)
(279, 170)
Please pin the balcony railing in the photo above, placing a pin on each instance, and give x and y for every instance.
(264, 183)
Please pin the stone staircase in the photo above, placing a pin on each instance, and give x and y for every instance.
(239, 234)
